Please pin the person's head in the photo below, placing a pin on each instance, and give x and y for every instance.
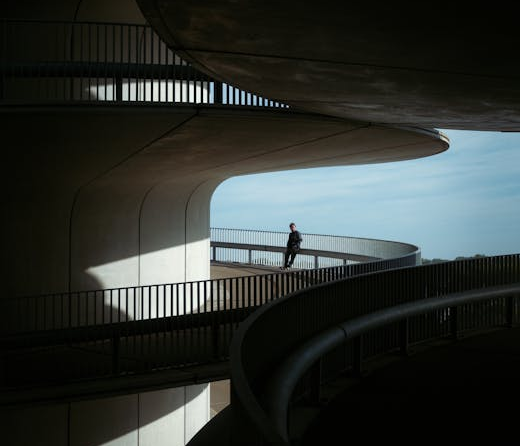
(292, 227)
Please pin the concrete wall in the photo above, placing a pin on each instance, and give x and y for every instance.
(100, 197)
(90, 207)
(167, 417)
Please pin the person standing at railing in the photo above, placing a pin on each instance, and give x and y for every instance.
(293, 246)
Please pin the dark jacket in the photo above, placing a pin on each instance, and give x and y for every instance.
(295, 238)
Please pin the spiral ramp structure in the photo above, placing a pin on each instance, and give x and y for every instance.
(107, 187)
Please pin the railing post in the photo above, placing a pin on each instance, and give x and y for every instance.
(509, 311)
(115, 354)
(217, 92)
(316, 263)
(404, 331)
(249, 256)
(119, 88)
(214, 339)
(454, 323)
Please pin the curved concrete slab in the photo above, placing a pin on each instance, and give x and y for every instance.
(450, 66)
(109, 196)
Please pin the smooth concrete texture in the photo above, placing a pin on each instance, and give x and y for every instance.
(55, 158)
(442, 66)
(102, 197)
(161, 418)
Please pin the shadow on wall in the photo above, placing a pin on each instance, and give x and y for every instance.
(96, 421)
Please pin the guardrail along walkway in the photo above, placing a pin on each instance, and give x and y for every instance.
(463, 391)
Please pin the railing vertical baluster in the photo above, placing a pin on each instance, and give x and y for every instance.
(119, 305)
(404, 337)
(96, 72)
(86, 318)
(152, 62)
(128, 73)
(454, 323)
(111, 307)
(217, 92)
(509, 304)
(357, 356)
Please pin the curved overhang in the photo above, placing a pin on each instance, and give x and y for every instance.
(151, 144)
(451, 67)
(105, 196)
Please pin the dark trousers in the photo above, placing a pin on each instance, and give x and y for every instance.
(290, 255)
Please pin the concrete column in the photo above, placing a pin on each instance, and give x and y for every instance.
(83, 218)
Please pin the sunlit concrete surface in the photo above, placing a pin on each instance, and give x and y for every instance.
(447, 65)
(105, 197)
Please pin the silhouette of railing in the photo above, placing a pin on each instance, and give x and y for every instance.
(56, 61)
(136, 330)
(267, 248)
(320, 332)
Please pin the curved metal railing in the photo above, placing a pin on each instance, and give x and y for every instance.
(121, 305)
(286, 376)
(434, 300)
(144, 329)
(56, 61)
(318, 251)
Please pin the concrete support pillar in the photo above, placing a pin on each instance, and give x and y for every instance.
(81, 219)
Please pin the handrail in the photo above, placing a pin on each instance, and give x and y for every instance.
(286, 324)
(135, 326)
(267, 247)
(121, 304)
(285, 378)
(316, 253)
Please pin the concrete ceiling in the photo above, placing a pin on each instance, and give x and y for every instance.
(446, 66)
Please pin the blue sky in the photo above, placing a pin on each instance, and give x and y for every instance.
(462, 202)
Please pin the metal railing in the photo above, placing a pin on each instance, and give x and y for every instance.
(286, 376)
(103, 62)
(70, 310)
(477, 293)
(144, 330)
(149, 302)
(136, 330)
(318, 251)
(139, 330)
